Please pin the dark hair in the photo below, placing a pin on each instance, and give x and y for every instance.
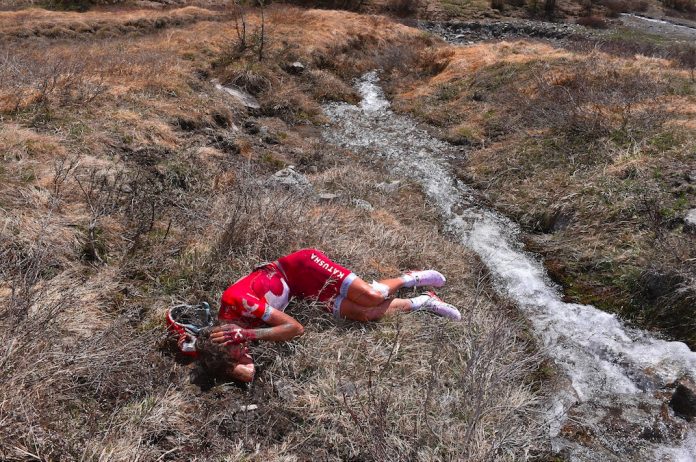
(215, 359)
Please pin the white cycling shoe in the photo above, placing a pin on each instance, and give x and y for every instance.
(440, 308)
(425, 278)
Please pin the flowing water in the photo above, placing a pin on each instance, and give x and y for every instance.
(617, 375)
(658, 26)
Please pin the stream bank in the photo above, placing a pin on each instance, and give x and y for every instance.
(614, 405)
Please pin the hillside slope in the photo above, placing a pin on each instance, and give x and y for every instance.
(129, 182)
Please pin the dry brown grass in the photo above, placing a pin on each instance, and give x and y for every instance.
(23, 24)
(114, 206)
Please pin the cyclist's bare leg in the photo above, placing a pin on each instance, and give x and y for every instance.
(356, 312)
(368, 295)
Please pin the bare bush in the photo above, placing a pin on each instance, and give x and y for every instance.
(29, 80)
(686, 56)
(616, 7)
(550, 7)
(594, 22)
(595, 100)
(687, 6)
(349, 5)
(403, 8)
(541, 7)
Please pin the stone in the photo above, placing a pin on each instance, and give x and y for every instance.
(284, 390)
(240, 95)
(691, 176)
(690, 221)
(328, 197)
(295, 68)
(362, 205)
(389, 186)
(250, 407)
(683, 401)
(290, 179)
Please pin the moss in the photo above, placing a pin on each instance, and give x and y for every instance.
(630, 35)
(27, 175)
(675, 208)
(665, 141)
(272, 161)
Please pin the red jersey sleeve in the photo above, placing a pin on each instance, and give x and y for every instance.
(244, 305)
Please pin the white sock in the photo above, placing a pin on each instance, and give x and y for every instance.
(417, 302)
(409, 281)
(381, 288)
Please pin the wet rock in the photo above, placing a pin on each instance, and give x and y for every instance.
(295, 68)
(389, 187)
(240, 95)
(474, 31)
(683, 401)
(362, 205)
(618, 429)
(459, 209)
(690, 221)
(291, 179)
(328, 197)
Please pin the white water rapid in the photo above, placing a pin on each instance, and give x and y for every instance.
(609, 365)
(659, 26)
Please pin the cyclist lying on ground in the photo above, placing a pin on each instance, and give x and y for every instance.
(253, 307)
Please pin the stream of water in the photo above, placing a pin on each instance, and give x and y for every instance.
(609, 365)
(658, 26)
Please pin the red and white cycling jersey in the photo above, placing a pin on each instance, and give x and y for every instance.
(251, 300)
(307, 273)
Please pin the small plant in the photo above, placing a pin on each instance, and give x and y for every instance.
(686, 57)
(240, 25)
